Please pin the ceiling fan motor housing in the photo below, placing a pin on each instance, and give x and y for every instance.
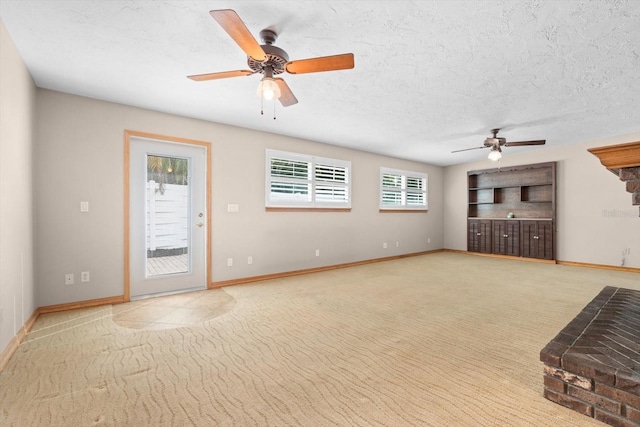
(276, 58)
(489, 142)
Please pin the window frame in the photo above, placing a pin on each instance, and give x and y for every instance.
(403, 190)
(312, 182)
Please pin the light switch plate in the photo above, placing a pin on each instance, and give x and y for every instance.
(84, 206)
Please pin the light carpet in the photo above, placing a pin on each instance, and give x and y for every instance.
(444, 339)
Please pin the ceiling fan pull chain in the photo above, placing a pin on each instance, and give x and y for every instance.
(274, 109)
(261, 106)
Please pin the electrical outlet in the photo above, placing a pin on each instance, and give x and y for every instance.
(384, 245)
(429, 240)
(84, 276)
(229, 262)
(250, 260)
(317, 252)
(397, 244)
(68, 279)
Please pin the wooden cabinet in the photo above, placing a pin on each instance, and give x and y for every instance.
(537, 239)
(479, 236)
(511, 211)
(506, 237)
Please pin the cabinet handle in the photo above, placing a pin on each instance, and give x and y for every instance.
(505, 235)
(536, 237)
(479, 234)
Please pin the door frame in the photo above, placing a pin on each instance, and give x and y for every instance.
(128, 134)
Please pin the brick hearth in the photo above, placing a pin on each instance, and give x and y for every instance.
(593, 365)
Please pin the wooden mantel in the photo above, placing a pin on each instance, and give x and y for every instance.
(618, 156)
(624, 161)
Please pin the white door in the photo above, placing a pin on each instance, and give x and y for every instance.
(167, 217)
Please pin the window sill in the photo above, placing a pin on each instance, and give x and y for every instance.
(272, 209)
(403, 210)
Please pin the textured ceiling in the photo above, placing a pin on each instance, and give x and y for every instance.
(430, 76)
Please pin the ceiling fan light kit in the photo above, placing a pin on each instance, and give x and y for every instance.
(495, 154)
(268, 89)
(496, 143)
(269, 60)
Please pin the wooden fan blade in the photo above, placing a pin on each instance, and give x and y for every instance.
(222, 75)
(287, 97)
(233, 25)
(516, 143)
(468, 149)
(324, 63)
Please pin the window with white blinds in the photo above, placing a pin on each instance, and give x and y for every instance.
(297, 180)
(403, 189)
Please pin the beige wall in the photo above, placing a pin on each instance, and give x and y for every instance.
(596, 221)
(17, 100)
(79, 156)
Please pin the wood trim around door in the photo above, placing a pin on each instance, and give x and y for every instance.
(174, 139)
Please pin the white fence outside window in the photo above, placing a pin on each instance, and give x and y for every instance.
(167, 216)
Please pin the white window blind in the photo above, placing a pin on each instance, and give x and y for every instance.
(297, 180)
(403, 189)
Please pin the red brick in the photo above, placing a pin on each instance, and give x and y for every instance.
(608, 405)
(633, 414)
(554, 384)
(577, 326)
(616, 394)
(628, 380)
(633, 186)
(587, 367)
(552, 353)
(630, 173)
(569, 377)
(569, 402)
(613, 420)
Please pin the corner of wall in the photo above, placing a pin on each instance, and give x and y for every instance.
(17, 110)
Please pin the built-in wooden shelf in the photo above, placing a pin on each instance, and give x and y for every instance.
(511, 211)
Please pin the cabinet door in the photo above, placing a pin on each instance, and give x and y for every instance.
(545, 239)
(473, 235)
(512, 241)
(529, 239)
(484, 242)
(499, 239)
(479, 236)
(506, 237)
(537, 239)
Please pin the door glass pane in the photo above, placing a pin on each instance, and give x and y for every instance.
(167, 216)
